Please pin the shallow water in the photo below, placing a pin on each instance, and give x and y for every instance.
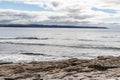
(57, 44)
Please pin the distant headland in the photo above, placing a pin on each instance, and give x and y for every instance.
(49, 26)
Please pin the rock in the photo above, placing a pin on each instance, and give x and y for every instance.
(104, 57)
(19, 70)
(86, 69)
(9, 79)
(38, 79)
(1, 63)
(104, 63)
(73, 60)
(73, 68)
(99, 67)
(62, 75)
(23, 76)
(37, 76)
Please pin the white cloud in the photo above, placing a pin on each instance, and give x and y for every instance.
(64, 12)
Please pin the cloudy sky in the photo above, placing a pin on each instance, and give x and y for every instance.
(61, 12)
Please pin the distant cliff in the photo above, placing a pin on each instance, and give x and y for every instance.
(49, 26)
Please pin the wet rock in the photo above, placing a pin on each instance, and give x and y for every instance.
(87, 69)
(104, 57)
(2, 74)
(73, 68)
(34, 69)
(24, 76)
(60, 65)
(62, 75)
(73, 60)
(19, 70)
(2, 63)
(104, 63)
(9, 79)
(37, 77)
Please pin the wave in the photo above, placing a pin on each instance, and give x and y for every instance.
(35, 54)
(26, 38)
(96, 47)
(30, 38)
(86, 40)
(80, 39)
(108, 37)
(82, 46)
(21, 43)
(44, 38)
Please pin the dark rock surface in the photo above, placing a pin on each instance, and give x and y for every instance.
(104, 63)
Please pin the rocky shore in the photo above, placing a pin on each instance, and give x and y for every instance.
(100, 68)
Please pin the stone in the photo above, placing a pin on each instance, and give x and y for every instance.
(19, 70)
(9, 79)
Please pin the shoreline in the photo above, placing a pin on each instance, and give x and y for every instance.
(100, 68)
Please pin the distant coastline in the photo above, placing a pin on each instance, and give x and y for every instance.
(49, 26)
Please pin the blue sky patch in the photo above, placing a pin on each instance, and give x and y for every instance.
(111, 11)
(20, 6)
(112, 19)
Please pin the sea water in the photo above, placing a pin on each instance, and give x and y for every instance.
(46, 44)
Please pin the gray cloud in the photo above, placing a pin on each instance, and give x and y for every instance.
(15, 16)
(58, 22)
(58, 17)
(55, 4)
(82, 16)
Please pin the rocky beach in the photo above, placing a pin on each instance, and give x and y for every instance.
(59, 39)
(100, 68)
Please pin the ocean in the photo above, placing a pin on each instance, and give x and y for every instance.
(50, 44)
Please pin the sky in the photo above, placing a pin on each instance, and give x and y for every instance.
(61, 12)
